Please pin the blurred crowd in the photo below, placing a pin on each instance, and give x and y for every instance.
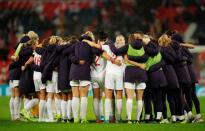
(66, 17)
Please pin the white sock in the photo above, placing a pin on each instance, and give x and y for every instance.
(20, 101)
(159, 115)
(58, 106)
(182, 117)
(19, 107)
(69, 109)
(198, 116)
(75, 106)
(119, 108)
(26, 101)
(112, 109)
(129, 108)
(101, 107)
(174, 118)
(31, 104)
(107, 108)
(42, 106)
(147, 116)
(139, 108)
(11, 106)
(16, 107)
(49, 109)
(64, 109)
(45, 112)
(96, 107)
(189, 114)
(83, 107)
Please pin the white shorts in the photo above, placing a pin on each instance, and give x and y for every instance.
(77, 83)
(13, 83)
(134, 86)
(37, 81)
(39, 85)
(98, 82)
(113, 82)
(52, 86)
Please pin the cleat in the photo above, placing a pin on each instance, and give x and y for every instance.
(76, 120)
(106, 122)
(129, 122)
(102, 118)
(98, 121)
(164, 121)
(58, 118)
(199, 120)
(84, 121)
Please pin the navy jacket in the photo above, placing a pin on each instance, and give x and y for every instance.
(82, 51)
(156, 77)
(168, 56)
(180, 65)
(26, 84)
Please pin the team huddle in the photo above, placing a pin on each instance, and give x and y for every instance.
(56, 75)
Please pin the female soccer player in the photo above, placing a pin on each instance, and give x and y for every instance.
(14, 76)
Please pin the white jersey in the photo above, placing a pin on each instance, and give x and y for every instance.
(37, 58)
(110, 67)
(98, 67)
(37, 61)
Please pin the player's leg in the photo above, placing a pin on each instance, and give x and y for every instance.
(129, 89)
(139, 96)
(84, 88)
(11, 102)
(75, 99)
(96, 100)
(119, 91)
(109, 89)
(64, 100)
(148, 104)
(69, 105)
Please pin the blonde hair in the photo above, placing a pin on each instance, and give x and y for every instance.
(164, 40)
(55, 40)
(32, 35)
(90, 34)
(146, 39)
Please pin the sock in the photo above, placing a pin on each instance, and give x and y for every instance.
(83, 107)
(64, 109)
(119, 108)
(58, 106)
(182, 117)
(42, 106)
(101, 107)
(75, 107)
(69, 109)
(139, 109)
(147, 116)
(16, 107)
(49, 109)
(129, 108)
(45, 112)
(19, 107)
(26, 100)
(112, 109)
(107, 108)
(96, 107)
(31, 104)
(174, 118)
(198, 116)
(11, 106)
(159, 115)
(189, 114)
(20, 101)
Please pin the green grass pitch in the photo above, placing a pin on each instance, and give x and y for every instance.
(7, 125)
